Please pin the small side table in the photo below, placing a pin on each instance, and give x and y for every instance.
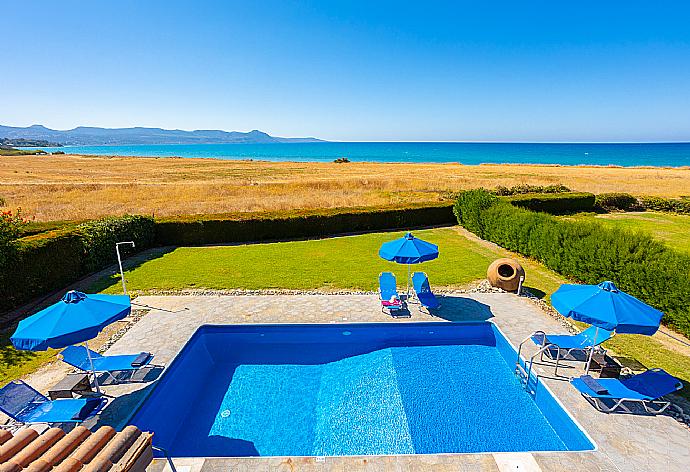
(607, 366)
(72, 383)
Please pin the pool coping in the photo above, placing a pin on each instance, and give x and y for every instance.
(430, 323)
(659, 443)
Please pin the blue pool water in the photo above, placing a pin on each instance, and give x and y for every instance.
(624, 154)
(413, 388)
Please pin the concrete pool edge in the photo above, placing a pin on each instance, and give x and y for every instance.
(572, 435)
(555, 397)
(624, 442)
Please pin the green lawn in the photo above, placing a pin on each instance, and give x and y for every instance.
(337, 263)
(15, 364)
(672, 229)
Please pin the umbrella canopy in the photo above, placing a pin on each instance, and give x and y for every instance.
(606, 307)
(76, 318)
(408, 250)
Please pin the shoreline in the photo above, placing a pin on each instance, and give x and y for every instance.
(405, 163)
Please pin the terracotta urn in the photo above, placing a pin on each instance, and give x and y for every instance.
(505, 274)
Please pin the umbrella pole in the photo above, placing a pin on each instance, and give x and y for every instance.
(407, 289)
(93, 369)
(591, 350)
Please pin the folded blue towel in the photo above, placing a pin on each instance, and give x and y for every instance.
(141, 359)
(592, 383)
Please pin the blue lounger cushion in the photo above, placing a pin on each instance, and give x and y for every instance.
(77, 356)
(649, 385)
(420, 283)
(388, 286)
(26, 405)
(582, 340)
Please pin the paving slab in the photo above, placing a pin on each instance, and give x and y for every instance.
(624, 442)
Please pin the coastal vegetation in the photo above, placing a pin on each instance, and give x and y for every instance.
(79, 188)
(10, 151)
(23, 142)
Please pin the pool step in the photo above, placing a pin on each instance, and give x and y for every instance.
(348, 385)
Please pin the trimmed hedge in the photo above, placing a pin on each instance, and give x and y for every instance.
(555, 203)
(245, 227)
(99, 237)
(586, 251)
(672, 205)
(39, 265)
(51, 260)
(45, 262)
(616, 201)
(504, 191)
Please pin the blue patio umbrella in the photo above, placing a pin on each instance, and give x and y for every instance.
(606, 307)
(408, 250)
(74, 319)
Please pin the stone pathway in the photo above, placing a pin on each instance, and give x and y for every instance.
(624, 442)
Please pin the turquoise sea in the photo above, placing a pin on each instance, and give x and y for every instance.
(647, 154)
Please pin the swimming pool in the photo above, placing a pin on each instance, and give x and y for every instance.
(351, 389)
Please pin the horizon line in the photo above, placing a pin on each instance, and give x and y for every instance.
(326, 141)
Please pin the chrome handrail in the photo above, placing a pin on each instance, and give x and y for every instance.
(167, 456)
(527, 371)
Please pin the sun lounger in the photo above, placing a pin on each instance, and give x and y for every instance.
(646, 388)
(77, 356)
(388, 293)
(420, 283)
(582, 341)
(25, 405)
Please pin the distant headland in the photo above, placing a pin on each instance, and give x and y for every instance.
(92, 136)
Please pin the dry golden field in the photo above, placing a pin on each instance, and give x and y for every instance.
(82, 187)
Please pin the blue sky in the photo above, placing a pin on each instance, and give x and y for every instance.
(350, 70)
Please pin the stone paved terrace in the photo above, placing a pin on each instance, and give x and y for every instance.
(624, 442)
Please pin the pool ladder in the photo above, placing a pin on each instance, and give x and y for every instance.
(523, 370)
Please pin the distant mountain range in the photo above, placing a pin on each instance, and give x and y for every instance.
(88, 136)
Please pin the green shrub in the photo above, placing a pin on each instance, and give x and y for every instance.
(246, 227)
(99, 238)
(469, 206)
(51, 260)
(554, 203)
(616, 201)
(525, 188)
(37, 227)
(587, 251)
(40, 265)
(11, 224)
(673, 205)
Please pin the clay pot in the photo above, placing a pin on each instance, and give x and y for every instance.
(505, 274)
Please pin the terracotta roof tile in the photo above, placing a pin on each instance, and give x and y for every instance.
(79, 450)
